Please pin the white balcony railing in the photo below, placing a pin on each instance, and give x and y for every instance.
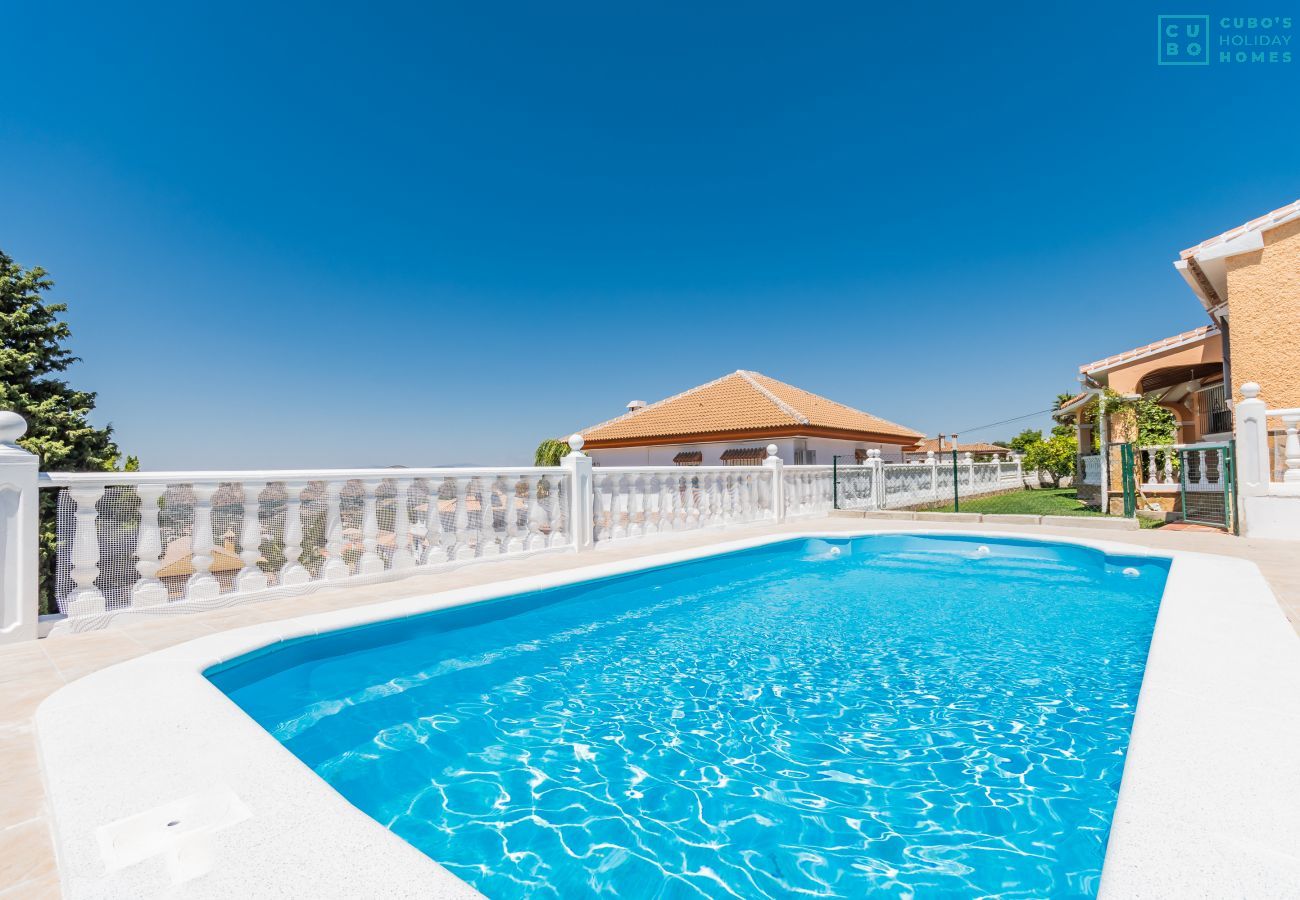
(1269, 506)
(633, 503)
(1158, 466)
(881, 485)
(144, 544)
(143, 541)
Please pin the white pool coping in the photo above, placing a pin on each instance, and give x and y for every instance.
(1209, 805)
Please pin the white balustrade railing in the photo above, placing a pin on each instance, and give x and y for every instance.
(1201, 468)
(1268, 504)
(931, 482)
(1158, 466)
(144, 541)
(150, 543)
(857, 487)
(1090, 469)
(635, 503)
(809, 490)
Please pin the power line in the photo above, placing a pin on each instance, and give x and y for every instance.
(1006, 421)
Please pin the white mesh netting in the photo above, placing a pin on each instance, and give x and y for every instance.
(160, 545)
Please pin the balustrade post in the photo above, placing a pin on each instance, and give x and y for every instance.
(335, 568)
(371, 562)
(202, 585)
(403, 558)
(251, 577)
(438, 541)
(1292, 475)
(775, 469)
(1254, 469)
(487, 525)
(20, 603)
(933, 462)
(148, 591)
(510, 500)
(877, 463)
(85, 598)
(578, 467)
(636, 507)
(620, 505)
(294, 571)
(536, 540)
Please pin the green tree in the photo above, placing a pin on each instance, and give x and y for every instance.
(1156, 425)
(1063, 429)
(550, 452)
(32, 356)
(1026, 439)
(1055, 456)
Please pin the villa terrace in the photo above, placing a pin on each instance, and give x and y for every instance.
(32, 671)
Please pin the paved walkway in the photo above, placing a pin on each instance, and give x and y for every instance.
(31, 672)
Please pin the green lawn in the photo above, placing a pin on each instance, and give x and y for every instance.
(1045, 502)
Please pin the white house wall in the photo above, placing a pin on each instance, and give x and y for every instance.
(662, 455)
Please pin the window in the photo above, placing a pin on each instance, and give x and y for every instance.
(743, 456)
(688, 458)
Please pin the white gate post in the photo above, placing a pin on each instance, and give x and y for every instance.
(933, 462)
(19, 534)
(774, 465)
(578, 465)
(877, 479)
(1254, 468)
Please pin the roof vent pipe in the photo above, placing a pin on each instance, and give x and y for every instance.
(634, 405)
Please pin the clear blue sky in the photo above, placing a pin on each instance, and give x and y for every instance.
(435, 233)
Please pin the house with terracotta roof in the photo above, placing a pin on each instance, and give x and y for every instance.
(941, 446)
(1247, 281)
(732, 420)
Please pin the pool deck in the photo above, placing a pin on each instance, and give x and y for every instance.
(31, 672)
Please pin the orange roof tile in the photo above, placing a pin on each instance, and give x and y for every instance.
(933, 444)
(1276, 217)
(1177, 340)
(741, 401)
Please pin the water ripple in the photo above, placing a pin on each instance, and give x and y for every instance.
(900, 724)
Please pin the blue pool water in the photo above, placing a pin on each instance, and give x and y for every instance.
(896, 715)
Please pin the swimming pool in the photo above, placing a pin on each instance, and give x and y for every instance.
(899, 714)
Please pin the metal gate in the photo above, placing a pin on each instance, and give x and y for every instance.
(1121, 479)
(1206, 480)
(1128, 482)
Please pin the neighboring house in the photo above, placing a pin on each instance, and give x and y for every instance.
(732, 420)
(1248, 282)
(940, 447)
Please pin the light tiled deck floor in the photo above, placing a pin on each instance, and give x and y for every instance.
(30, 672)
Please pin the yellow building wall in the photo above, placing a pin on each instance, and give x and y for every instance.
(1264, 317)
